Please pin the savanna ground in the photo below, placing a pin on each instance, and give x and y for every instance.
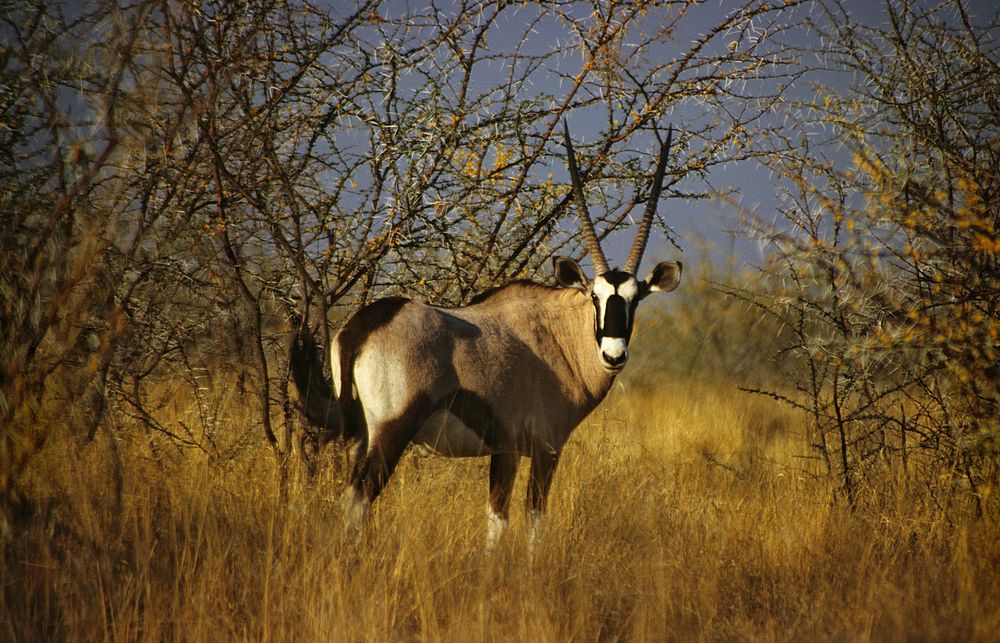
(682, 510)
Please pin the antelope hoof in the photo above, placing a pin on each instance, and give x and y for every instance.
(355, 508)
(496, 525)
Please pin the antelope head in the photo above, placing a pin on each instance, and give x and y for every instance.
(615, 292)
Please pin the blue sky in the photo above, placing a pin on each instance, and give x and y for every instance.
(716, 222)
(695, 221)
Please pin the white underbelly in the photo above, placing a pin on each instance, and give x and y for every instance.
(447, 435)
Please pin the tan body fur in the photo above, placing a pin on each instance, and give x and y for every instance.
(477, 348)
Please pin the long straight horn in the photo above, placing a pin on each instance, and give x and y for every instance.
(639, 245)
(589, 236)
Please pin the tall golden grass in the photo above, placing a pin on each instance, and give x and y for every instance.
(680, 512)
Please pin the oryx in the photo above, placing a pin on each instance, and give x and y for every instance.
(509, 375)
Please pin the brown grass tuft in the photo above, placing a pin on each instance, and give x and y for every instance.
(684, 515)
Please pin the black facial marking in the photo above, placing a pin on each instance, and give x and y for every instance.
(631, 317)
(616, 277)
(618, 314)
(615, 317)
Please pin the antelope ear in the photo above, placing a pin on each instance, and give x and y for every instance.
(569, 274)
(664, 278)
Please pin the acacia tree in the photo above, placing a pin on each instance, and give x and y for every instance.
(62, 290)
(888, 266)
(182, 180)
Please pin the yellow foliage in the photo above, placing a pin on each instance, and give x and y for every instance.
(985, 244)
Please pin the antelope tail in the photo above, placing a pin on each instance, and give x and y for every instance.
(315, 390)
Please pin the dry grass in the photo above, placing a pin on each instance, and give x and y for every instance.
(681, 516)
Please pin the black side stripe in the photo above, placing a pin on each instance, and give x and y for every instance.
(476, 413)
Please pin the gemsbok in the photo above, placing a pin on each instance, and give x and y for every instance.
(509, 375)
